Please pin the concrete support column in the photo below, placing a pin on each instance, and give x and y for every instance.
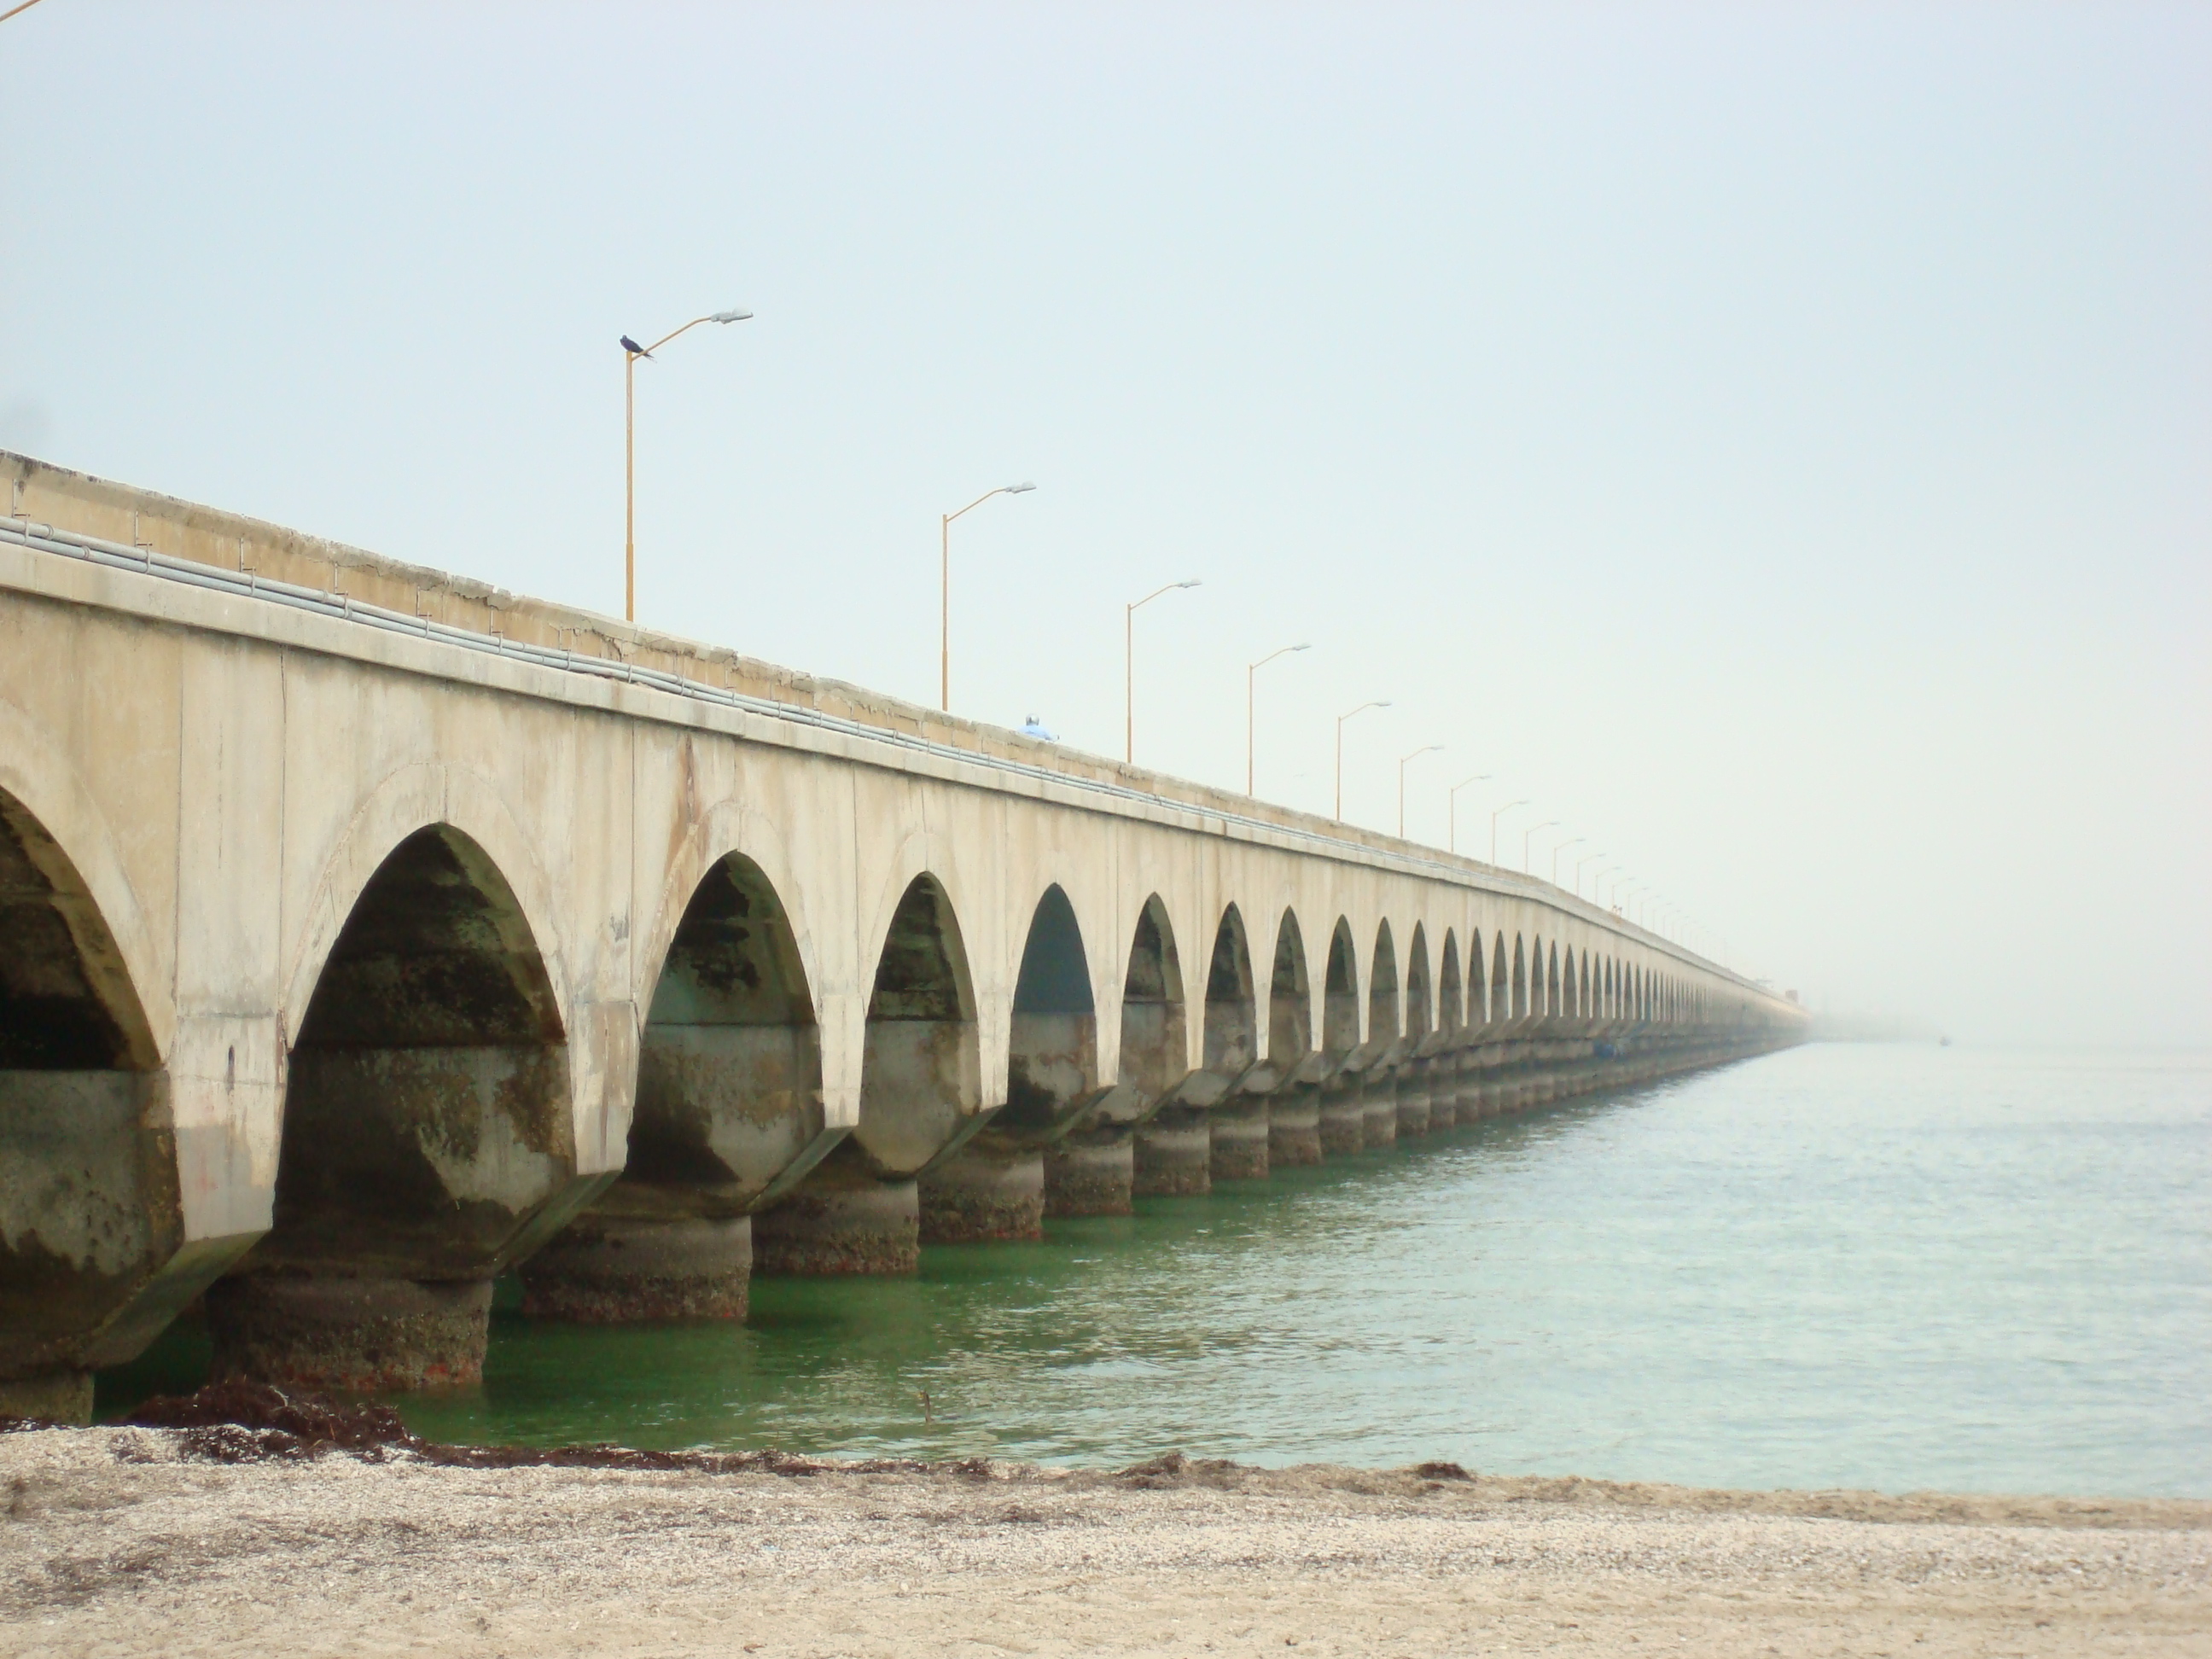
(1174, 1154)
(1416, 1100)
(1343, 1116)
(1090, 1172)
(1443, 1084)
(62, 1396)
(840, 1220)
(350, 1335)
(990, 1189)
(610, 1269)
(1237, 1131)
(1378, 1105)
(1294, 1126)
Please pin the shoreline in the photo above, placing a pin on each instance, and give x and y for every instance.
(128, 1541)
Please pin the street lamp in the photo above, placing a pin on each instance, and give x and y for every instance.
(1453, 797)
(1597, 887)
(1560, 848)
(1430, 750)
(1528, 835)
(1494, 817)
(1585, 859)
(1129, 665)
(631, 352)
(1340, 719)
(945, 587)
(1250, 669)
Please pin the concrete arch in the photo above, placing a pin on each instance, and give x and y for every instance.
(1419, 1020)
(1154, 1045)
(1340, 1012)
(1573, 1007)
(728, 1109)
(730, 827)
(1451, 995)
(428, 1140)
(1232, 1012)
(49, 790)
(1501, 979)
(1520, 978)
(1053, 1058)
(928, 854)
(418, 796)
(1383, 988)
(67, 999)
(90, 1211)
(1289, 995)
(920, 1076)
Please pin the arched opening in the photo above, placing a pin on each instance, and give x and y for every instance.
(1289, 998)
(88, 1191)
(1231, 1022)
(1382, 1014)
(1571, 1003)
(1090, 1169)
(1418, 1021)
(729, 1105)
(1500, 1004)
(1293, 1128)
(1548, 965)
(1154, 1046)
(1340, 1118)
(1589, 1008)
(921, 1077)
(428, 1142)
(859, 1212)
(1520, 980)
(1416, 1109)
(994, 1187)
(1340, 1018)
(1451, 1002)
(1054, 1058)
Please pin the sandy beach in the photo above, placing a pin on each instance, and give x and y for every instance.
(128, 1541)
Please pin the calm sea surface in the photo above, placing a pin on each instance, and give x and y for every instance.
(1893, 1266)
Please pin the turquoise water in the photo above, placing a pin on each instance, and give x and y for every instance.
(1872, 1266)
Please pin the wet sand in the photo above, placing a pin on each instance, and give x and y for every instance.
(120, 1542)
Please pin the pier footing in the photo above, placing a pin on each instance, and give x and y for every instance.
(984, 1193)
(612, 1271)
(350, 1335)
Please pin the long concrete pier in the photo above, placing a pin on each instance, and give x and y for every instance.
(367, 933)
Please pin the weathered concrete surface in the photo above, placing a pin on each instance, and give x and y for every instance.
(328, 953)
(606, 1269)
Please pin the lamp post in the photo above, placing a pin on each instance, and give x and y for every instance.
(1250, 670)
(1429, 749)
(944, 589)
(1453, 797)
(1597, 887)
(631, 352)
(1585, 859)
(1340, 719)
(1129, 666)
(1529, 835)
(1561, 848)
(1494, 817)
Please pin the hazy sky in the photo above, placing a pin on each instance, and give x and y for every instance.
(1772, 438)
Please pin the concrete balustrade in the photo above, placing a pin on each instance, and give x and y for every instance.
(366, 933)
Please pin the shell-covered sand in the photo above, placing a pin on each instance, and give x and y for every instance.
(123, 1542)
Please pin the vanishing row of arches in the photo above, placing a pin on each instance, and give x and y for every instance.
(427, 1142)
